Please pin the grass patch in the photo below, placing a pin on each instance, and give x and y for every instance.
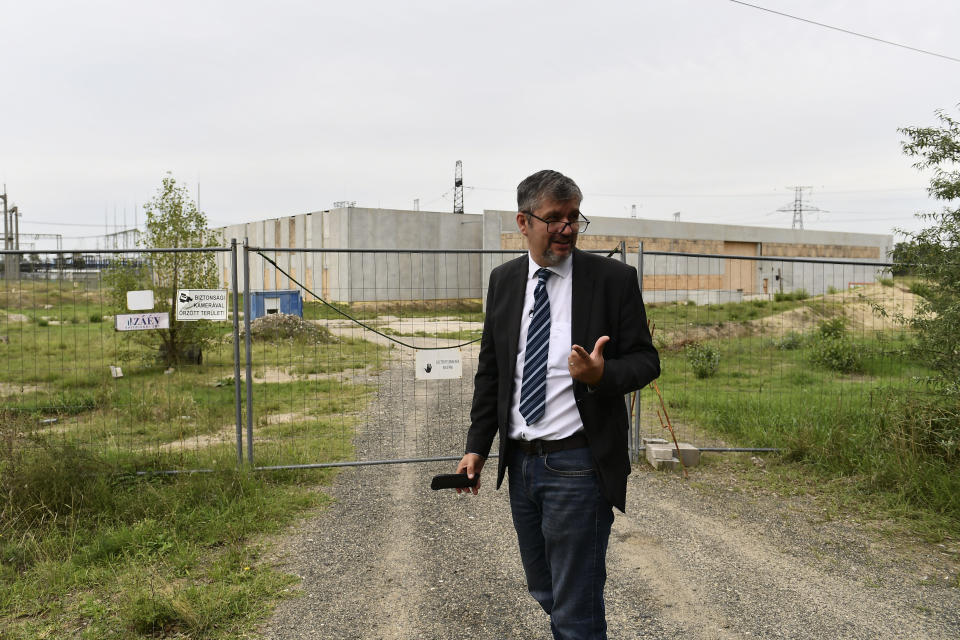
(95, 554)
(467, 310)
(690, 314)
(876, 429)
(462, 334)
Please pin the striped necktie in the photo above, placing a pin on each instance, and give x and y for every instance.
(533, 391)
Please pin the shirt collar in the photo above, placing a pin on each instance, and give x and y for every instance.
(564, 269)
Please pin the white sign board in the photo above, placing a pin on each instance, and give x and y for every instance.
(201, 304)
(140, 300)
(439, 364)
(142, 321)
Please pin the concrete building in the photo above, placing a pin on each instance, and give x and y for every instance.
(379, 272)
(357, 254)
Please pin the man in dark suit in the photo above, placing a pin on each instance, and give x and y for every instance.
(565, 337)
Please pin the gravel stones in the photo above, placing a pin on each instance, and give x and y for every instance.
(703, 559)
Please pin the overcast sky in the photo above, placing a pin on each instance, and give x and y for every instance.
(706, 107)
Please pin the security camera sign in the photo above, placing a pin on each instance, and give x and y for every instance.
(439, 364)
(201, 304)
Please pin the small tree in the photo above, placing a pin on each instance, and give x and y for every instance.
(173, 222)
(936, 249)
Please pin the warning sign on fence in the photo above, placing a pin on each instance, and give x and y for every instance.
(439, 364)
(201, 304)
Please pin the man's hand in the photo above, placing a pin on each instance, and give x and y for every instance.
(471, 464)
(587, 367)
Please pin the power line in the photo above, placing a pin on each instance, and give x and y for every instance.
(759, 194)
(652, 195)
(65, 224)
(847, 31)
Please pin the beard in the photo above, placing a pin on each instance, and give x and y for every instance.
(552, 259)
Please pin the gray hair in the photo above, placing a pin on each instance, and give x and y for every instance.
(546, 184)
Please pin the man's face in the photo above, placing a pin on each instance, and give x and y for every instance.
(549, 249)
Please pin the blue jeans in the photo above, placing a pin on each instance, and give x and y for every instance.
(563, 526)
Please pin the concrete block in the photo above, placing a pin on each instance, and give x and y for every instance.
(660, 456)
(690, 454)
(667, 465)
(663, 455)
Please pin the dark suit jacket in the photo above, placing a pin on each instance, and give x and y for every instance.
(606, 301)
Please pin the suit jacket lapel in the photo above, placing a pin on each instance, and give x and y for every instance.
(582, 301)
(515, 288)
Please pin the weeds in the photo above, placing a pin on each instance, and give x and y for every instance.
(704, 359)
(796, 295)
(162, 555)
(790, 341)
(834, 350)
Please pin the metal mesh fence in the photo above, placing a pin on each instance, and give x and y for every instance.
(335, 340)
(348, 388)
(752, 344)
(70, 378)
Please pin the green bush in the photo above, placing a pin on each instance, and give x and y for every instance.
(838, 354)
(790, 341)
(887, 282)
(704, 359)
(95, 317)
(834, 328)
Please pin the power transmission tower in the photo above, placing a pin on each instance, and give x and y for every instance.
(797, 207)
(458, 188)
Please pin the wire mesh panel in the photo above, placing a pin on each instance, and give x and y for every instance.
(754, 346)
(156, 397)
(350, 380)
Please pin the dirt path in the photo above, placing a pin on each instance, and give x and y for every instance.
(703, 559)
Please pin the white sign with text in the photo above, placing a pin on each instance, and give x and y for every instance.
(142, 321)
(201, 304)
(439, 364)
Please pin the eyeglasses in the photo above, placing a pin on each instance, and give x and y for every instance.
(559, 226)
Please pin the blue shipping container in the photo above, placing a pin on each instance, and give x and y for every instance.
(266, 302)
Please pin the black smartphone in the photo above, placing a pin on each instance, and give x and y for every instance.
(453, 481)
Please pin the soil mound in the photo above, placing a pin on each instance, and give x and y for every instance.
(282, 326)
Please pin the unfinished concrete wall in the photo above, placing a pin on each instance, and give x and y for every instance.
(413, 275)
(416, 275)
(717, 280)
(370, 276)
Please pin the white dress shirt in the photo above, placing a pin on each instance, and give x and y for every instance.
(561, 417)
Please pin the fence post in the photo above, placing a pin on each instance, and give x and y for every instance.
(248, 345)
(635, 437)
(236, 350)
(630, 398)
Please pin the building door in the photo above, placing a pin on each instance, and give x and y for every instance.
(740, 275)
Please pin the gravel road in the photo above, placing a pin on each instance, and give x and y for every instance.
(710, 558)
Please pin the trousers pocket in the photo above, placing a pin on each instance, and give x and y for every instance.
(572, 462)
